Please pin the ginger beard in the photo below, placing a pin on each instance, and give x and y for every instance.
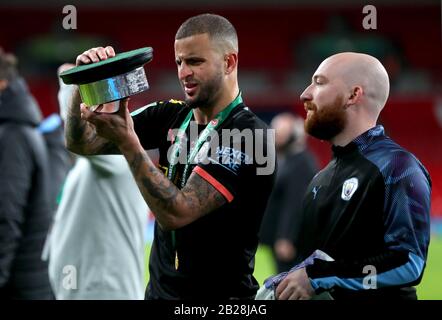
(327, 122)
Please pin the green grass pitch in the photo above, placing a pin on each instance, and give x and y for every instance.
(429, 289)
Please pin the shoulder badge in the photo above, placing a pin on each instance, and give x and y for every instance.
(349, 188)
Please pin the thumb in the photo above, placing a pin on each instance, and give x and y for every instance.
(86, 114)
(123, 107)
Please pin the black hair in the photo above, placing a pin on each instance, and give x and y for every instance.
(217, 27)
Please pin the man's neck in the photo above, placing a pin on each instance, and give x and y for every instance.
(349, 134)
(205, 115)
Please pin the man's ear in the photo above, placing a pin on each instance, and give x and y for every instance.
(3, 84)
(355, 95)
(231, 62)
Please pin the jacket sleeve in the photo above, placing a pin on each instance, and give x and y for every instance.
(16, 167)
(406, 237)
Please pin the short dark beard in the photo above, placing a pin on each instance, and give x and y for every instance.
(328, 122)
(208, 93)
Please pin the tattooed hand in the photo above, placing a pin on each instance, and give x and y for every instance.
(81, 136)
(117, 127)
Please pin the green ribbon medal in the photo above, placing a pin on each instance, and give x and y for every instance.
(178, 146)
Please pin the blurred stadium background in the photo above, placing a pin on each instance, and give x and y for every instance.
(281, 44)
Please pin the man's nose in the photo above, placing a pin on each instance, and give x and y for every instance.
(184, 71)
(306, 95)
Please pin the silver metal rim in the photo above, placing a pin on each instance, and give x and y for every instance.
(114, 88)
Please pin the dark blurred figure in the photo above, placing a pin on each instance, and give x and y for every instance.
(25, 212)
(60, 160)
(297, 166)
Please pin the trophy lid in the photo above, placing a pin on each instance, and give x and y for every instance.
(120, 64)
(111, 79)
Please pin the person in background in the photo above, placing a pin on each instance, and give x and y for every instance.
(59, 157)
(25, 209)
(296, 167)
(369, 208)
(96, 247)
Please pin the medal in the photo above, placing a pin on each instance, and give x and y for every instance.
(171, 172)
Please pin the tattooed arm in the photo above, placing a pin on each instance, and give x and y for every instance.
(81, 136)
(173, 208)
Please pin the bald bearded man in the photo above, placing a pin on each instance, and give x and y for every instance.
(369, 208)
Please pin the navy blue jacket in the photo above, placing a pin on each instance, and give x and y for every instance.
(25, 213)
(369, 209)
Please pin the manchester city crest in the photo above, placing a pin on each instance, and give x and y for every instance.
(349, 188)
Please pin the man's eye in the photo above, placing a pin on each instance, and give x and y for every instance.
(178, 62)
